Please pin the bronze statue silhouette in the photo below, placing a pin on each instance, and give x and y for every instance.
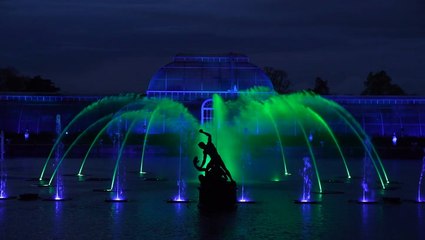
(215, 169)
(216, 192)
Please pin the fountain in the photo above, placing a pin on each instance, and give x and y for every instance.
(118, 194)
(419, 199)
(247, 156)
(59, 186)
(307, 175)
(292, 121)
(181, 184)
(3, 175)
(106, 106)
(368, 195)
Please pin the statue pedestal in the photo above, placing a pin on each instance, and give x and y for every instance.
(217, 195)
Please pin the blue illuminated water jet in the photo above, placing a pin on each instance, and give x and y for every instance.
(367, 193)
(306, 174)
(3, 175)
(419, 198)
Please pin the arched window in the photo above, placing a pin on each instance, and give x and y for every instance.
(207, 111)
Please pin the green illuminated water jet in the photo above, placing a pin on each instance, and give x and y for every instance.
(110, 103)
(248, 125)
(349, 119)
(280, 141)
(145, 140)
(322, 121)
(121, 151)
(74, 142)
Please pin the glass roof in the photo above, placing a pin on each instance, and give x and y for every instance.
(221, 72)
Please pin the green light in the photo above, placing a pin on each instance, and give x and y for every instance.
(121, 151)
(74, 142)
(322, 121)
(297, 110)
(280, 141)
(145, 140)
(106, 101)
(349, 118)
(93, 143)
(366, 149)
(312, 157)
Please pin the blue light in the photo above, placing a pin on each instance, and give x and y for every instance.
(26, 135)
(394, 140)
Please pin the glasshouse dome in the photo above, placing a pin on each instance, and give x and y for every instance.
(195, 76)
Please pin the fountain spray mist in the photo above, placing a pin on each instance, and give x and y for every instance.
(306, 174)
(58, 155)
(419, 199)
(3, 175)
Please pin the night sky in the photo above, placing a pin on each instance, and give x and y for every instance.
(115, 46)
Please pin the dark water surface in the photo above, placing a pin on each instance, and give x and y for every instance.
(147, 215)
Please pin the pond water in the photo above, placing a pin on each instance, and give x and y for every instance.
(147, 215)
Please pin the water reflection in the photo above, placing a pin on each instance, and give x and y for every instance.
(116, 214)
(218, 225)
(313, 225)
(58, 220)
(2, 221)
(365, 220)
(421, 221)
(178, 208)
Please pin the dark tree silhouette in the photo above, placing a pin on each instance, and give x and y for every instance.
(321, 87)
(279, 79)
(11, 81)
(380, 84)
(38, 84)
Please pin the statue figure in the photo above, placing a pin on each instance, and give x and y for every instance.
(215, 168)
(216, 192)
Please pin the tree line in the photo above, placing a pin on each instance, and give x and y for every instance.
(12, 81)
(379, 83)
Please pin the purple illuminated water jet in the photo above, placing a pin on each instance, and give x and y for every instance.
(419, 198)
(179, 198)
(367, 194)
(306, 174)
(3, 174)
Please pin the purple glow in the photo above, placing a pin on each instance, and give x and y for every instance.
(244, 200)
(117, 198)
(3, 194)
(306, 174)
(181, 188)
(420, 179)
(310, 137)
(394, 139)
(119, 195)
(3, 188)
(367, 193)
(178, 199)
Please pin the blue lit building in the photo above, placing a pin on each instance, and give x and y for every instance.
(193, 79)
